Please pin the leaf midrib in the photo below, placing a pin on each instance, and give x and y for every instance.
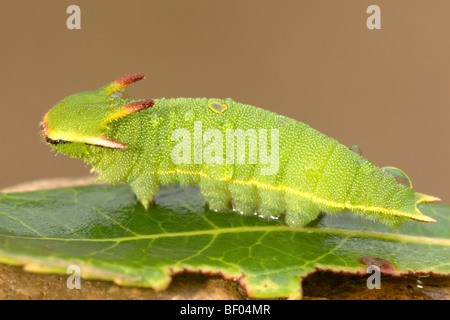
(350, 233)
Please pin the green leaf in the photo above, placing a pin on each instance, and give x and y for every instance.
(102, 230)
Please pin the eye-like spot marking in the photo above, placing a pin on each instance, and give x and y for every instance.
(217, 107)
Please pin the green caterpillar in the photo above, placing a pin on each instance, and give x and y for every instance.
(245, 158)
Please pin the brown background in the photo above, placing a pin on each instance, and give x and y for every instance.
(315, 61)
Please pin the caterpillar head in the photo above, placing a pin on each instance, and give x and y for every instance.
(81, 119)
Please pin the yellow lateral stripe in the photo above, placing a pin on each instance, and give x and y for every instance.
(333, 204)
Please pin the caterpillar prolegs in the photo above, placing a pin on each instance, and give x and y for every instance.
(242, 157)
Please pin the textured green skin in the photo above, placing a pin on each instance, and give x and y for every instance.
(309, 162)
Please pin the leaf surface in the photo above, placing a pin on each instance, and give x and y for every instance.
(101, 229)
